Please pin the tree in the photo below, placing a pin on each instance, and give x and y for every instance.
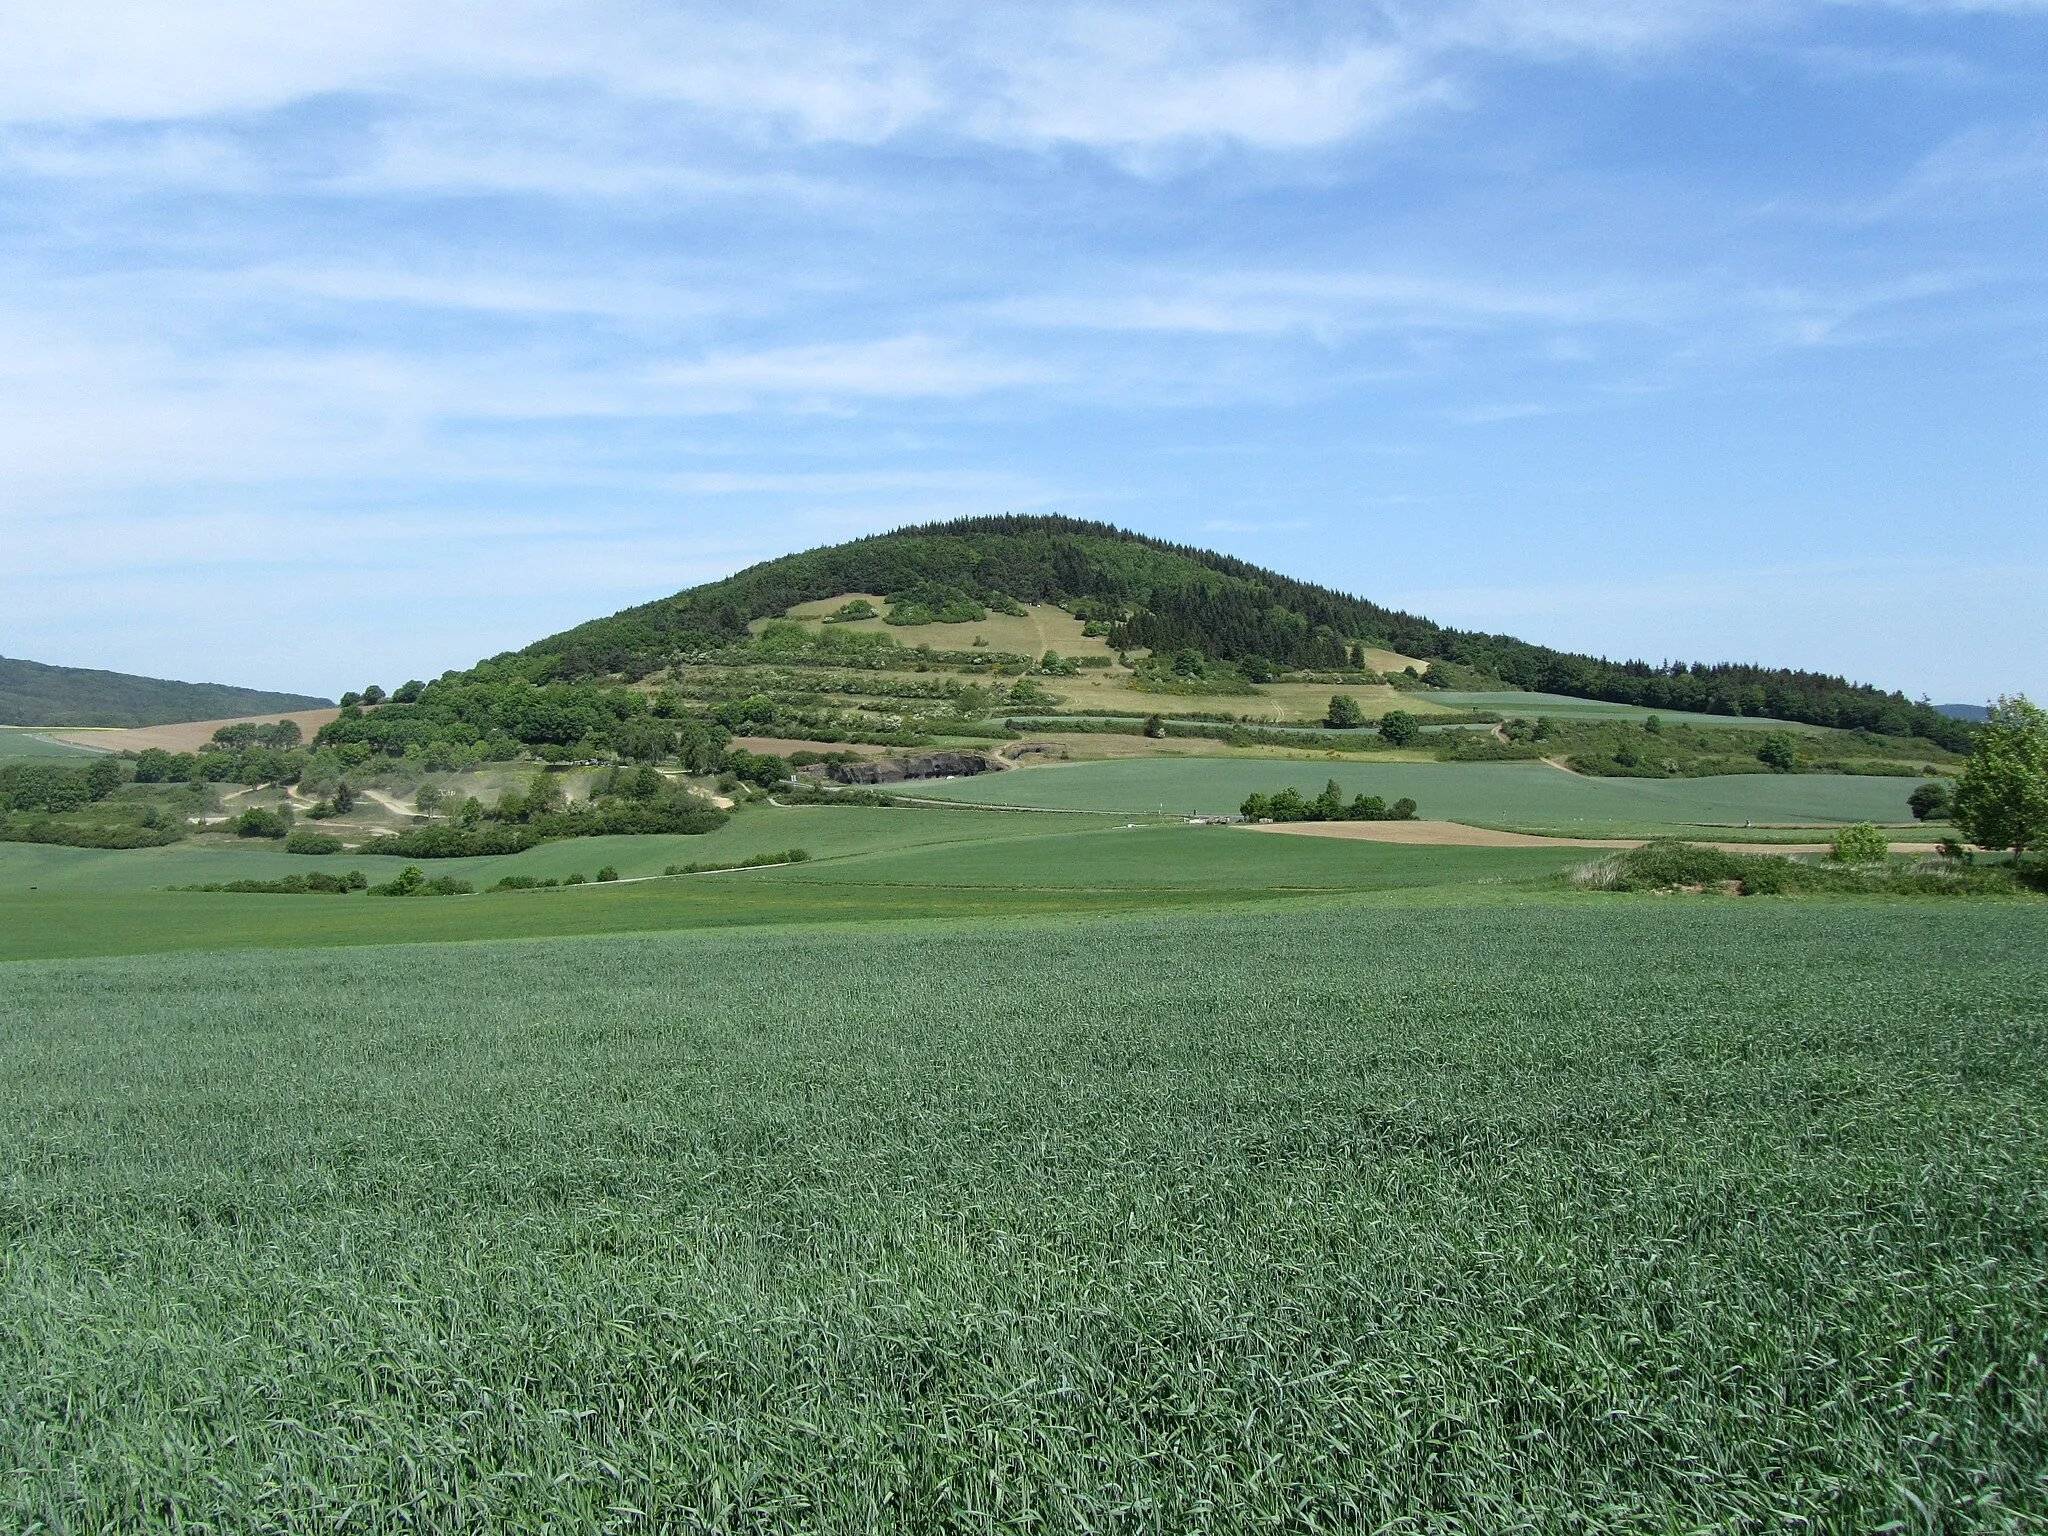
(1780, 752)
(1154, 726)
(1343, 713)
(1860, 844)
(373, 694)
(1256, 669)
(1930, 802)
(2001, 797)
(409, 692)
(1398, 727)
(1329, 805)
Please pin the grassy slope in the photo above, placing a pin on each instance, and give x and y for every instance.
(1608, 1214)
(1532, 792)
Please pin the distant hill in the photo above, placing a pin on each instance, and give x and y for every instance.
(1964, 711)
(1152, 595)
(34, 694)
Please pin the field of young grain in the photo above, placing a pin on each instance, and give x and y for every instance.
(1491, 792)
(1609, 1215)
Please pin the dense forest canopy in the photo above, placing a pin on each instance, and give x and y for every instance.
(34, 694)
(1168, 597)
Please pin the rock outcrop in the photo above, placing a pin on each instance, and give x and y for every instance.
(926, 765)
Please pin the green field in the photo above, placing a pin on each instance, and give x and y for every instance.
(867, 865)
(1489, 792)
(15, 742)
(1606, 1214)
(1563, 706)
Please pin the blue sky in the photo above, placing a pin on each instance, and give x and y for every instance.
(349, 342)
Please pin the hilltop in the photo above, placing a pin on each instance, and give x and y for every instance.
(32, 693)
(1139, 594)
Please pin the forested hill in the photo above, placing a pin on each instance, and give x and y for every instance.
(34, 694)
(1159, 596)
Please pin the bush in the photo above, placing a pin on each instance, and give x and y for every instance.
(290, 885)
(607, 875)
(1780, 752)
(1860, 844)
(306, 840)
(577, 879)
(1343, 713)
(259, 822)
(1398, 727)
(411, 881)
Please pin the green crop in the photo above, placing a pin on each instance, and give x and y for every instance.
(1598, 1214)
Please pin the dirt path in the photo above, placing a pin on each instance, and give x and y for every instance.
(1455, 834)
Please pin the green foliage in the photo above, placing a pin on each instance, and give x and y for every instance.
(30, 784)
(1930, 802)
(290, 885)
(1343, 713)
(260, 821)
(753, 861)
(412, 881)
(1676, 865)
(934, 602)
(607, 875)
(1862, 843)
(1398, 728)
(2001, 797)
(848, 612)
(1779, 752)
(1289, 805)
(306, 840)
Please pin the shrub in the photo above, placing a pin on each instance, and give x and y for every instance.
(1398, 727)
(1860, 844)
(411, 881)
(1930, 802)
(1780, 752)
(1343, 713)
(607, 875)
(306, 840)
(259, 822)
(576, 879)
(1154, 726)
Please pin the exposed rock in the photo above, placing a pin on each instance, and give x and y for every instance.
(927, 765)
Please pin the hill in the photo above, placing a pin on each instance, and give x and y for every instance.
(1140, 593)
(34, 694)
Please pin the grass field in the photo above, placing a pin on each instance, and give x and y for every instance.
(1563, 706)
(1600, 1214)
(867, 865)
(1493, 792)
(17, 742)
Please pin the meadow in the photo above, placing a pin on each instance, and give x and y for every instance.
(1533, 793)
(1599, 1213)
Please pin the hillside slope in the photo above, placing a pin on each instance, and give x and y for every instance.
(1152, 595)
(32, 693)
